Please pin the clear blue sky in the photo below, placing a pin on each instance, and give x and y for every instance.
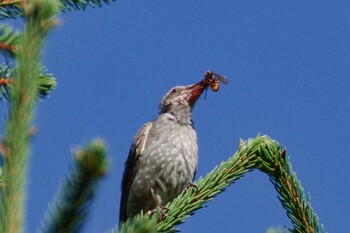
(288, 63)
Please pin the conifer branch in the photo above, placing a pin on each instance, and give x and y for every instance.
(45, 83)
(69, 209)
(9, 39)
(141, 223)
(208, 187)
(275, 163)
(12, 8)
(277, 230)
(39, 16)
(212, 184)
(1, 179)
(260, 152)
(78, 5)
(5, 81)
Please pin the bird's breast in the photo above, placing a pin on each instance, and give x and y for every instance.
(171, 154)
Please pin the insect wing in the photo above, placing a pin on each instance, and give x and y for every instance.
(222, 79)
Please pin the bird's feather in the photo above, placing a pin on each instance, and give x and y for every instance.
(131, 164)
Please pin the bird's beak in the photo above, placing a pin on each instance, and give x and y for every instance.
(194, 91)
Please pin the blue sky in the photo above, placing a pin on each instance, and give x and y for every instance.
(288, 63)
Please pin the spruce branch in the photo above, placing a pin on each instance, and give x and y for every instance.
(13, 9)
(262, 153)
(45, 83)
(212, 184)
(277, 230)
(39, 16)
(275, 163)
(78, 5)
(208, 187)
(141, 223)
(69, 209)
(10, 9)
(9, 39)
(1, 180)
(5, 81)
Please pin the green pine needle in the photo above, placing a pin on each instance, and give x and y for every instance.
(68, 211)
(1, 180)
(211, 185)
(15, 147)
(277, 230)
(79, 5)
(9, 39)
(141, 223)
(4, 86)
(13, 9)
(258, 153)
(10, 9)
(275, 163)
(45, 83)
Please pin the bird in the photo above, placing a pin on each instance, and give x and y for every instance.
(163, 157)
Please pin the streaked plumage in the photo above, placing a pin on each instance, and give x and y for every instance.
(163, 157)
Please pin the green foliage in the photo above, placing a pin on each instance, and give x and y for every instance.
(141, 223)
(258, 153)
(45, 82)
(69, 209)
(9, 39)
(13, 9)
(15, 145)
(276, 165)
(5, 81)
(10, 9)
(276, 230)
(1, 180)
(82, 4)
(211, 185)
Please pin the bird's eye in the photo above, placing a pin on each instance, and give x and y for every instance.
(174, 90)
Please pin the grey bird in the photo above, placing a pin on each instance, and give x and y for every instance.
(162, 160)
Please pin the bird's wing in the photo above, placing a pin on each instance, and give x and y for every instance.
(131, 166)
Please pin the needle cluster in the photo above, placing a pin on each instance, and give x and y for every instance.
(13, 9)
(260, 153)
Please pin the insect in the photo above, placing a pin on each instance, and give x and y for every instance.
(212, 79)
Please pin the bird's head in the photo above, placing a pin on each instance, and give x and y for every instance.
(180, 100)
